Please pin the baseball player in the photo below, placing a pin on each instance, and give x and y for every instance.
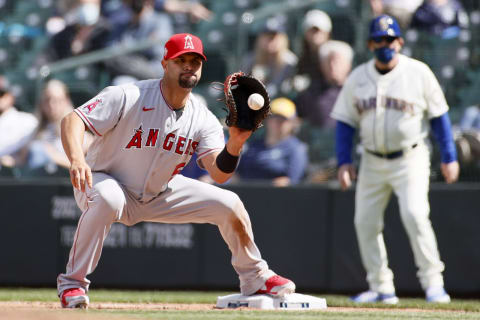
(392, 100)
(145, 133)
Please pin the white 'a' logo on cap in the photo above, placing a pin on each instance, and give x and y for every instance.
(188, 42)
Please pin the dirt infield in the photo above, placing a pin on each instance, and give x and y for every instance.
(16, 310)
(21, 305)
(16, 307)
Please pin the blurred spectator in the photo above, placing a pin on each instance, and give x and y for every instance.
(471, 119)
(316, 103)
(85, 12)
(271, 61)
(68, 12)
(443, 18)
(317, 28)
(280, 157)
(402, 10)
(45, 150)
(85, 31)
(193, 9)
(143, 23)
(16, 127)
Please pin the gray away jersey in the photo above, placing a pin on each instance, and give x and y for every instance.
(140, 141)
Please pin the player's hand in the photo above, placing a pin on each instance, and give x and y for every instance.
(346, 173)
(281, 181)
(80, 173)
(450, 171)
(239, 134)
(236, 140)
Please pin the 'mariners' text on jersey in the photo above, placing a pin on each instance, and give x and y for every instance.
(389, 103)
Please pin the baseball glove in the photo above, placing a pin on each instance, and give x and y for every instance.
(237, 88)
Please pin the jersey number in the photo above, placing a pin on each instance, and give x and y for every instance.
(177, 169)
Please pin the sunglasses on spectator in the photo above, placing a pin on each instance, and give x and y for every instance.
(387, 39)
(2, 92)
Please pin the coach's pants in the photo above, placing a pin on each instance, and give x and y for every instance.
(185, 201)
(408, 177)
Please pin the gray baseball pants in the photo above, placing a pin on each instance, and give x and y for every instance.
(185, 201)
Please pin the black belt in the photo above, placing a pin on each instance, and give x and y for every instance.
(391, 155)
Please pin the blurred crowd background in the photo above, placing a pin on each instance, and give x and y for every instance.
(56, 54)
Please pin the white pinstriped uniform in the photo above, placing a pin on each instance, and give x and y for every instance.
(139, 148)
(391, 113)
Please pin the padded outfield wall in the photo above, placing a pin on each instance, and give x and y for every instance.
(305, 233)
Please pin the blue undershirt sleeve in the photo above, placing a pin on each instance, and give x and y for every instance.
(442, 130)
(343, 142)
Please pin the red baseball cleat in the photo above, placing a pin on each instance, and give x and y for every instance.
(277, 286)
(74, 298)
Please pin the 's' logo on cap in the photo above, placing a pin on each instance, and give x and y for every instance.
(188, 42)
(385, 23)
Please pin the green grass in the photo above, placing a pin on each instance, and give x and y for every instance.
(287, 315)
(458, 309)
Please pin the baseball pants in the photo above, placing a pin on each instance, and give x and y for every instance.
(408, 177)
(185, 201)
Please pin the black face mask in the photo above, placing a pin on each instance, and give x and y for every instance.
(136, 6)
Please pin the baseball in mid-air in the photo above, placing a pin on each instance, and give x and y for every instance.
(255, 101)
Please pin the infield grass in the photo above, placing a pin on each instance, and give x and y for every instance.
(408, 308)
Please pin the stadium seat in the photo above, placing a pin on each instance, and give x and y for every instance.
(321, 142)
(24, 9)
(7, 172)
(83, 82)
(212, 95)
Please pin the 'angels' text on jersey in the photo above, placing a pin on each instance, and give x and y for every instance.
(141, 141)
(180, 145)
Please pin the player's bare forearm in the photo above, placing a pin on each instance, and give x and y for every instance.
(72, 133)
(234, 147)
(210, 164)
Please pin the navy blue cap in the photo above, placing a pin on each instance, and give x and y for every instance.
(384, 26)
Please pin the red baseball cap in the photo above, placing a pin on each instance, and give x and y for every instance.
(181, 43)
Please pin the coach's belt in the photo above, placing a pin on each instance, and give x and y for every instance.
(391, 155)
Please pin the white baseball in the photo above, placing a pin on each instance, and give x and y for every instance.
(255, 101)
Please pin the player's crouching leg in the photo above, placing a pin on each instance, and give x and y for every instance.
(110, 199)
(106, 203)
(254, 273)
